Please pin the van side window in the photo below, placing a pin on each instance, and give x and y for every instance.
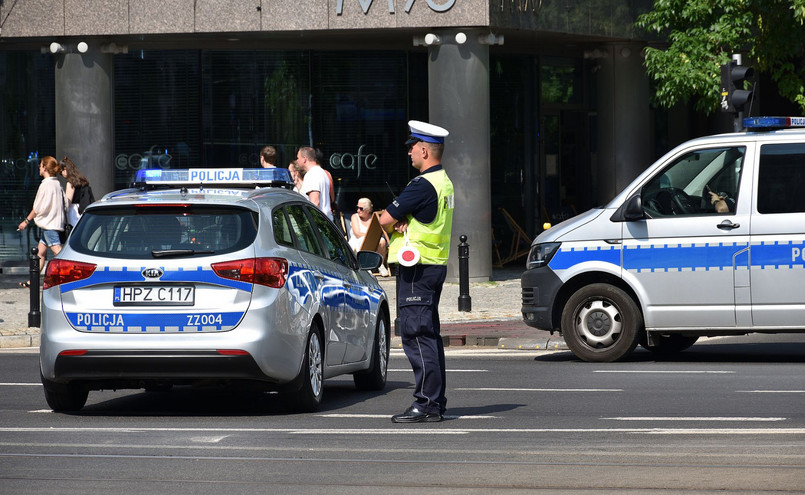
(702, 182)
(781, 178)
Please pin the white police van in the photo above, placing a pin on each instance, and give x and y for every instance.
(709, 240)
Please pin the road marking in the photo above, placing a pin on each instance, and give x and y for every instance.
(432, 429)
(20, 384)
(771, 391)
(691, 418)
(408, 370)
(386, 416)
(503, 389)
(680, 372)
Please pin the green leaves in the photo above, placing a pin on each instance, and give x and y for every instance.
(703, 34)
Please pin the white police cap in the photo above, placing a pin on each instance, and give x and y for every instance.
(422, 131)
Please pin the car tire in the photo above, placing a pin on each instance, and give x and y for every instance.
(64, 397)
(308, 396)
(374, 378)
(601, 323)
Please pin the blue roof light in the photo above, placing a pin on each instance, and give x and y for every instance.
(773, 122)
(215, 176)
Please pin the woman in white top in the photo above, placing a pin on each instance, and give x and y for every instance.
(48, 210)
(359, 224)
(297, 175)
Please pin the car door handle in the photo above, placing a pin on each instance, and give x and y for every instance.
(728, 225)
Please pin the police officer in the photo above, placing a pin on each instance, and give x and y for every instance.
(421, 218)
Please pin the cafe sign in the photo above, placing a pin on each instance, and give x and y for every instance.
(436, 6)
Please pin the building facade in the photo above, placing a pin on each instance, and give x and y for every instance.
(547, 102)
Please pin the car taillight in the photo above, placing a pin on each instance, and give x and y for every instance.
(61, 271)
(270, 272)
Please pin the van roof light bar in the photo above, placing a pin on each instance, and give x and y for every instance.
(755, 123)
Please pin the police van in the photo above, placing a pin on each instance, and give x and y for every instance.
(708, 241)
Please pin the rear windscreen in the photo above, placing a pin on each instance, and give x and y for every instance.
(142, 232)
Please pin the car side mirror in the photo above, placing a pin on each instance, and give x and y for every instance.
(369, 260)
(630, 211)
(634, 209)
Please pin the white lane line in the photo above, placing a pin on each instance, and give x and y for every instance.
(504, 389)
(680, 372)
(20, 384)
(386, 416)
(408, 370)
(407, 430)
(770, 391)
(692, 418)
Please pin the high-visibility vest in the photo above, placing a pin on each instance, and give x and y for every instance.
(432, 240)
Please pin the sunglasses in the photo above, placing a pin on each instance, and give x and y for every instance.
(363, 208)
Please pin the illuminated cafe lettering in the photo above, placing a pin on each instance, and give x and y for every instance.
(214, 175)
(365, 4)
(348, 161)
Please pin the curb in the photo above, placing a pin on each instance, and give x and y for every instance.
(29, 338)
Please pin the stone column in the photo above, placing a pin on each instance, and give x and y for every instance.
(624, 124)
(458, 94)
(85, 115)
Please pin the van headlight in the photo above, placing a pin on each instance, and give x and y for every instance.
(541, 254)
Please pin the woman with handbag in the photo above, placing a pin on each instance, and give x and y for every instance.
(48, 211)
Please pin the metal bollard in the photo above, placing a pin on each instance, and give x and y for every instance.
(34, 315)
(464, 299)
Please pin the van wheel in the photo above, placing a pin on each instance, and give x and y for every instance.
(308, 397)
(375, 377)
(64, 397)
(668, 344)
(600, 323)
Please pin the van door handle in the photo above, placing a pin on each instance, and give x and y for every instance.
(728, 225)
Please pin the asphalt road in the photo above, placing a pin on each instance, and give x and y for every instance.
(727, 416)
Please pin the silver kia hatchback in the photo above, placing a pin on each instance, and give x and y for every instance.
(210, 276)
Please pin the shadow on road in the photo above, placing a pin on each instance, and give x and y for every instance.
(765, 352)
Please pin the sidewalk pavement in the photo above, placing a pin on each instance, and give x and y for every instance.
(494, 319)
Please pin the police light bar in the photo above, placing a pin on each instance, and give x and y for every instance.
(773, 122)
(214, 176)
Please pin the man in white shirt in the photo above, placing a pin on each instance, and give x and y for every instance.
(316, 184)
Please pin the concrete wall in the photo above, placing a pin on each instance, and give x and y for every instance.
(39, 18)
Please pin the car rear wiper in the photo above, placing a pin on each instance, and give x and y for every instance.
(164, 253)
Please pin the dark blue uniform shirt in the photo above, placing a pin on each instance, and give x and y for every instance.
(418, 199)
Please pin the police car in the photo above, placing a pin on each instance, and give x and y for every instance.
(210, 276)
(708, 241)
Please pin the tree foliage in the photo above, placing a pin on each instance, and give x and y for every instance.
(703, 35)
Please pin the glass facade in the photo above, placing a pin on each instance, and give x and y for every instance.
(27, 133)
(216, 108)
(203, 108)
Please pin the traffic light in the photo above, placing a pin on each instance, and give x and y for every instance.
(733, 94)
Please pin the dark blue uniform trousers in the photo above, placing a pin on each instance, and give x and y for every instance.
(419, 288)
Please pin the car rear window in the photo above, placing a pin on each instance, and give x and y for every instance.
(146, 231)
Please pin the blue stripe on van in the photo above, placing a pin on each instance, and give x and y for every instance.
(678, 257)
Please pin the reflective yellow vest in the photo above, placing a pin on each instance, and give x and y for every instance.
(431, 239)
